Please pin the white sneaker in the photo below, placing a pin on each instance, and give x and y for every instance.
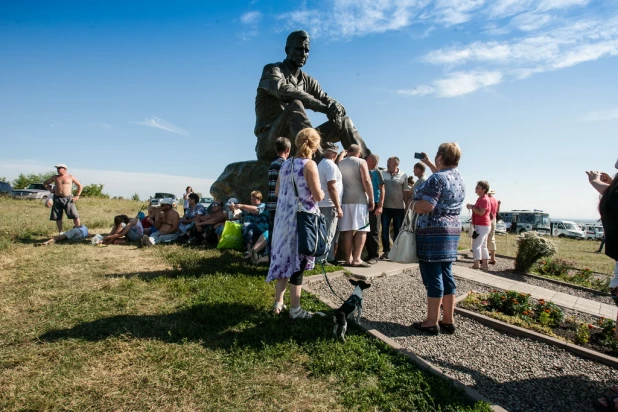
(148, 241)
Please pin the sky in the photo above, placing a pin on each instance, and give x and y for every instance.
(153, 96)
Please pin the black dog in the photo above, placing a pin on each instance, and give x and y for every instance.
(352, 307)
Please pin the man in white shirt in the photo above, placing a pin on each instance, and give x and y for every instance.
(332, 185)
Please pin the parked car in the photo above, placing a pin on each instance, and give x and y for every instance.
(566, 228)
(5, 189)
(500, 227)
(593, 232)
(154, 201)
(206, 201)
(33, 191)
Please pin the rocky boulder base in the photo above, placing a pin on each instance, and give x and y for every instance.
(240, 179)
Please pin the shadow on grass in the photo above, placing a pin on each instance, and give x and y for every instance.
(216, 326)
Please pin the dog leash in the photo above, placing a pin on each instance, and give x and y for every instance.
(329, 285)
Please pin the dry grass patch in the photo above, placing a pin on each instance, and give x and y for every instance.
(581, 252)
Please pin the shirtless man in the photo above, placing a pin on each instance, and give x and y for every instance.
(166, 222)
(64, 201)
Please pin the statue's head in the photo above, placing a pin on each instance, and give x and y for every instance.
(297, 47)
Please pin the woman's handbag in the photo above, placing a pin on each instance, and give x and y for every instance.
(311, 228)
(404, 247)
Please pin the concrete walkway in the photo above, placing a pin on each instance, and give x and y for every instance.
(561, 299)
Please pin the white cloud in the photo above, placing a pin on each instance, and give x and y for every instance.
(417, 91)
(560, 4)
(600, 115)
(452, 12)
(460, 83)
(251, 18)
(116, 183)
(158, 123)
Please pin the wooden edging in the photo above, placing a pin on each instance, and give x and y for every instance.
(539, 337)
(471, 394)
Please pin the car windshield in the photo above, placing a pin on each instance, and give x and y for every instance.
(37, 186)
(571, 226)
(206, 200)
(163, 196)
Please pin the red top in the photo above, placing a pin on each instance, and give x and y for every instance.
(485, 220)
(494, 207)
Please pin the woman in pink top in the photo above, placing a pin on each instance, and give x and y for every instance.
(482, 225)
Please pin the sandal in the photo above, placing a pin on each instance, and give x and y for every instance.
(432, 330)
(300, 313)
(492, 262)
(278, 307)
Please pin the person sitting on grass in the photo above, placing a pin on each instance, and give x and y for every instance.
(125, 229)
(205, 225)
(194, 210)
(76, 234)
(148, 221)
(166, 222)
(255, 220)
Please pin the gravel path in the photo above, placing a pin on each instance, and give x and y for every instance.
(504, 268)
(518, 374)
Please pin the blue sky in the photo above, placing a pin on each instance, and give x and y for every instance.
(158, 95)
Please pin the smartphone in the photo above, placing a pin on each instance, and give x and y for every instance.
(419, 156)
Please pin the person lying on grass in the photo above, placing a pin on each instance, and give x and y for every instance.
(76, 234)
(125, 229)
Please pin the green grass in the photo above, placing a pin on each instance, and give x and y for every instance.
(173, 328)
(581, 252)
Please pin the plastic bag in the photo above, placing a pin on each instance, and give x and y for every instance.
(231, 238)
(97, 239)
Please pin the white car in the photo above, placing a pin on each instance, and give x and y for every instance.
(33, 191)
(206, 201)
(593, 232)
(500, 227)
(566, 228)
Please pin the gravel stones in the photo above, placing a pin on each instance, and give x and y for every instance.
(516, 373)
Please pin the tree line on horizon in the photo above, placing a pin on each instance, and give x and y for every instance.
(91, 190)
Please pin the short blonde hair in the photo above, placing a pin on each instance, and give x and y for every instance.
(307, 142)
(257, 194)
(451, 153)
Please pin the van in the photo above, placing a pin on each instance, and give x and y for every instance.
(593, 232)
(566, 228)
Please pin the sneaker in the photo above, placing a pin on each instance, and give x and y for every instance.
(372, 261)
(147, 240)
(300, 313)
(384, 256)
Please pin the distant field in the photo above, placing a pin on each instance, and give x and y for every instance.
(581, 252)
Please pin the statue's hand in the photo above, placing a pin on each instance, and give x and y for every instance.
(335, 113)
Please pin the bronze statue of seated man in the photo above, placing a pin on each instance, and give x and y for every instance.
(283, 95)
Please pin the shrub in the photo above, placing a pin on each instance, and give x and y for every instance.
(548, 313)
(554, 267)
(135, 197)
(532, 247)
(510, 303)
(582, 334)
(94, 190)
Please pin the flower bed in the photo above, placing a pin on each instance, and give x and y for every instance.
(544, 317)
(563, 270)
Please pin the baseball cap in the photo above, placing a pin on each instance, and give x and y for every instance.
(59, 165)
(231, 200)
(330, 147)
(167, 201)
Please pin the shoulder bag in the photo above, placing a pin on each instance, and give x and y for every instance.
(311, 227)
(404, 247)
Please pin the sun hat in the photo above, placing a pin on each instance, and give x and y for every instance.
(491, 192)
(231, 200)
(59, 165)
(167, 201)
(330, 147)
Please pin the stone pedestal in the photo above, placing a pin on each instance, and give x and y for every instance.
(240, 179)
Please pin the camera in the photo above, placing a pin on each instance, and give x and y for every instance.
(419, 156)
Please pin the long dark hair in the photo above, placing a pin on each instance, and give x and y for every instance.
(607, 196)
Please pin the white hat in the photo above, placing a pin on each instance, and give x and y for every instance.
(59, 165)
(231, 200)
(167, 201)
(491, 192)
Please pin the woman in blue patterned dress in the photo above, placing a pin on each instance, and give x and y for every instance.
(286, 264)
(439, 202)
